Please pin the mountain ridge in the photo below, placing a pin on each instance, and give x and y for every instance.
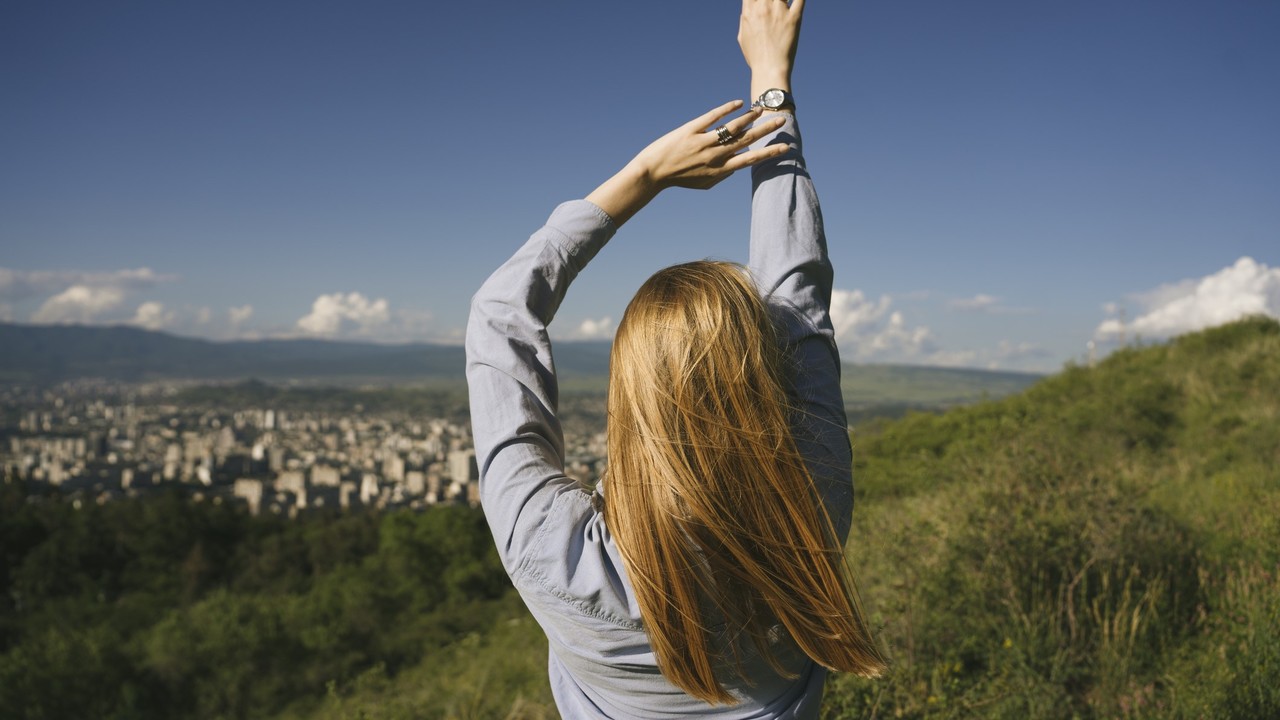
(48, 354)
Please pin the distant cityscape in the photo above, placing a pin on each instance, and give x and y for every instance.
(337, 427)
(98, 441)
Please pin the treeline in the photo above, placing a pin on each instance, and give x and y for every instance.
(161, 607)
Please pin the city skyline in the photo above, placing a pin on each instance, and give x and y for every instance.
(1002, 183)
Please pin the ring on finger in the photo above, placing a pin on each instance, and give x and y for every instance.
(724, 136)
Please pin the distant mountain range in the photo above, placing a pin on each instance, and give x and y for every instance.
(53, 353)
(45, 354)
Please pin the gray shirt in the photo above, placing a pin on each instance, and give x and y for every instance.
(550, 531)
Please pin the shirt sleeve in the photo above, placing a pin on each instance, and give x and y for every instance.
(790, 266)
(511, 375)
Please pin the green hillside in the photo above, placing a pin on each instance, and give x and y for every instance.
(1105, 544)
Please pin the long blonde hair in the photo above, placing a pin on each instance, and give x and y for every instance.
(706, 494)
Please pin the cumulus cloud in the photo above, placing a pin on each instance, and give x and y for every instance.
(204, 315)
(152, 316)
(1245, 288)
(354, 315)
(79, 304)
(6, 313)
(332, 314)
(869, 330)
(602, 328)
(589, 329)
(74, 296)
(853, 314)
(239, 315)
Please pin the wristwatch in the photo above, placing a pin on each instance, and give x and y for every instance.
(775, 99)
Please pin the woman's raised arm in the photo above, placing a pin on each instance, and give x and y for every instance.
(789, 261)
(510, 372)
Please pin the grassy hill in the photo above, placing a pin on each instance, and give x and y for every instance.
(1105, 544)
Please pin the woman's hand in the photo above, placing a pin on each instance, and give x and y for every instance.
(768, 33)
(689, 156)
(692, 157)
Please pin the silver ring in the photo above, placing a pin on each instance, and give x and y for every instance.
(723, 136)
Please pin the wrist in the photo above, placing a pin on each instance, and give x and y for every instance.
(642, 176)
(626, 193)
(762, 80)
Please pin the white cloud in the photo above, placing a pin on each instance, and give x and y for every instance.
(351, 315)
(79, 304)
(1111, 329)
(869, 331)
(602, 328)
(75, 296)
(22, 284)
(873, 331)
(152, 316)
(1006, 355)
(332, 314)
(240, 314)
(204, 315)
(1245, 288)
(589, 329)
(853, 314)
(897, 337)
(6, 313)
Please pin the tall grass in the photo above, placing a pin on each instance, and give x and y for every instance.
(1103, 545)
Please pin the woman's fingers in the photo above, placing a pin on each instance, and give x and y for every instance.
(713, 116)
(741, 130)
(740, 124)
(747, 159)
(692, 156)
(762, 128)
(744, 133)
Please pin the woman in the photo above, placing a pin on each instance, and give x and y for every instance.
(705, 577)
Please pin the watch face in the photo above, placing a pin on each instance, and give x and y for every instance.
(773, 98)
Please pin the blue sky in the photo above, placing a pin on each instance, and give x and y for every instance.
(1003, 182)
